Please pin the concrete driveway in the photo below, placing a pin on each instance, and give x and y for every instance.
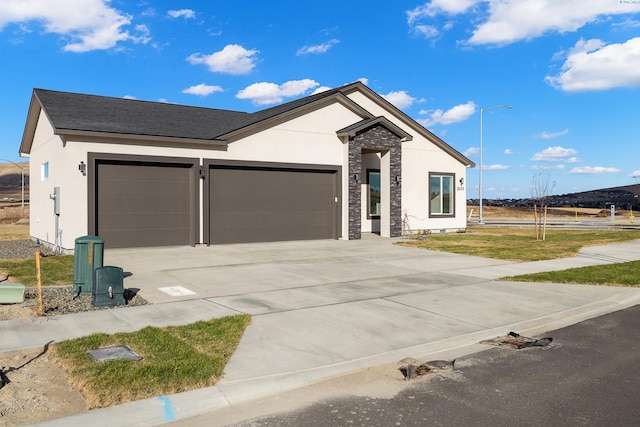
(325, 307)
(266, 277)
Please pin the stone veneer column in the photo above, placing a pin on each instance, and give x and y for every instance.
(377, 138)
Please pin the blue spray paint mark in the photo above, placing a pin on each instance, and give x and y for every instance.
(167, 408)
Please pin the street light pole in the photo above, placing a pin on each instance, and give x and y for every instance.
(480, 218)
(22, 172)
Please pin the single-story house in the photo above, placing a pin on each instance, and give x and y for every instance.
(332, 165)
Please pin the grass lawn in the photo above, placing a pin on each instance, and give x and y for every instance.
(54, 270)
(520, 244)
(621, 274)
(175, 359)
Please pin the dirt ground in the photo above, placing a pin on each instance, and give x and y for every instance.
(33, 388)
(489, 212)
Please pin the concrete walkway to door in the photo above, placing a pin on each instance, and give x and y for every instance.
(324, 308)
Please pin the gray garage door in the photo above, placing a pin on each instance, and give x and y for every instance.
(144, 204)
(266, 205)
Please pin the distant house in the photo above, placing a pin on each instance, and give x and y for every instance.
(332, 165)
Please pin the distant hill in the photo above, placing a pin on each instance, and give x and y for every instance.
(625, 197)
(11, 181)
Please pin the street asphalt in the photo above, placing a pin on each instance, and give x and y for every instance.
(324, 308)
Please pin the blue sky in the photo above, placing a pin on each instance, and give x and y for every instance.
(570, 69)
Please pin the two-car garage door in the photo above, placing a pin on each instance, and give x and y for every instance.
(265, 204)
(145, 202)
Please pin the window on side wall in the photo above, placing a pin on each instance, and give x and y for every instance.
(442, 197)
(373, 179)
(44, 171)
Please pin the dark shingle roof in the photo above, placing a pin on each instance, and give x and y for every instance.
(92, 113)
(79, 112)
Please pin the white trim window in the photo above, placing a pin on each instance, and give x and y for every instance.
(441, 195)
(44, 171)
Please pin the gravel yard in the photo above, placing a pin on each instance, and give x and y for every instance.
(21, 249)
(56, 300)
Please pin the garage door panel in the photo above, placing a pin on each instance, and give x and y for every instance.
(144, 204)
(271, 205)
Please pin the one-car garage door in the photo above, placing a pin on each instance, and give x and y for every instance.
(142, 204)
(266, 204)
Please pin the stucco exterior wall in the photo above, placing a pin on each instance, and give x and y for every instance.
(419, 157)
(48, 148)
(306, 139)
(309, 139)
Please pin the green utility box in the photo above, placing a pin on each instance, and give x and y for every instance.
(88, 255)
(108, 287)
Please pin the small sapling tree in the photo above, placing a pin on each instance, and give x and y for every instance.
(541, 189)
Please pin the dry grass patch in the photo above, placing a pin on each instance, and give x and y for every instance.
(14, 231)
(519, 244)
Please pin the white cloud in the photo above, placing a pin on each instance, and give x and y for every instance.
(592, 65)
(456, 114)
(552, 135)
(496, 167)
(513, 20)
(202, 89)
(182, 13)
(129, 97)
(508, 151)
(553, 154)
(426, 31)
(317, 49)
(508, 21)
(321, 89)
(264, 93)
(471, 151)
(435, 7)
(233, 59)
(86, 24)
(430, 10)
(635, 174)
(593, 170)
(400, 99)
(574, 160)
(540, 167)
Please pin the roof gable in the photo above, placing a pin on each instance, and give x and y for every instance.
(80, 114)
(352, 130)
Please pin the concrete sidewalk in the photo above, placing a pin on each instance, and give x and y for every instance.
(324, 308)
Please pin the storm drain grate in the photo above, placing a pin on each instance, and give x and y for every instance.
(116, 352)
(517, 341)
